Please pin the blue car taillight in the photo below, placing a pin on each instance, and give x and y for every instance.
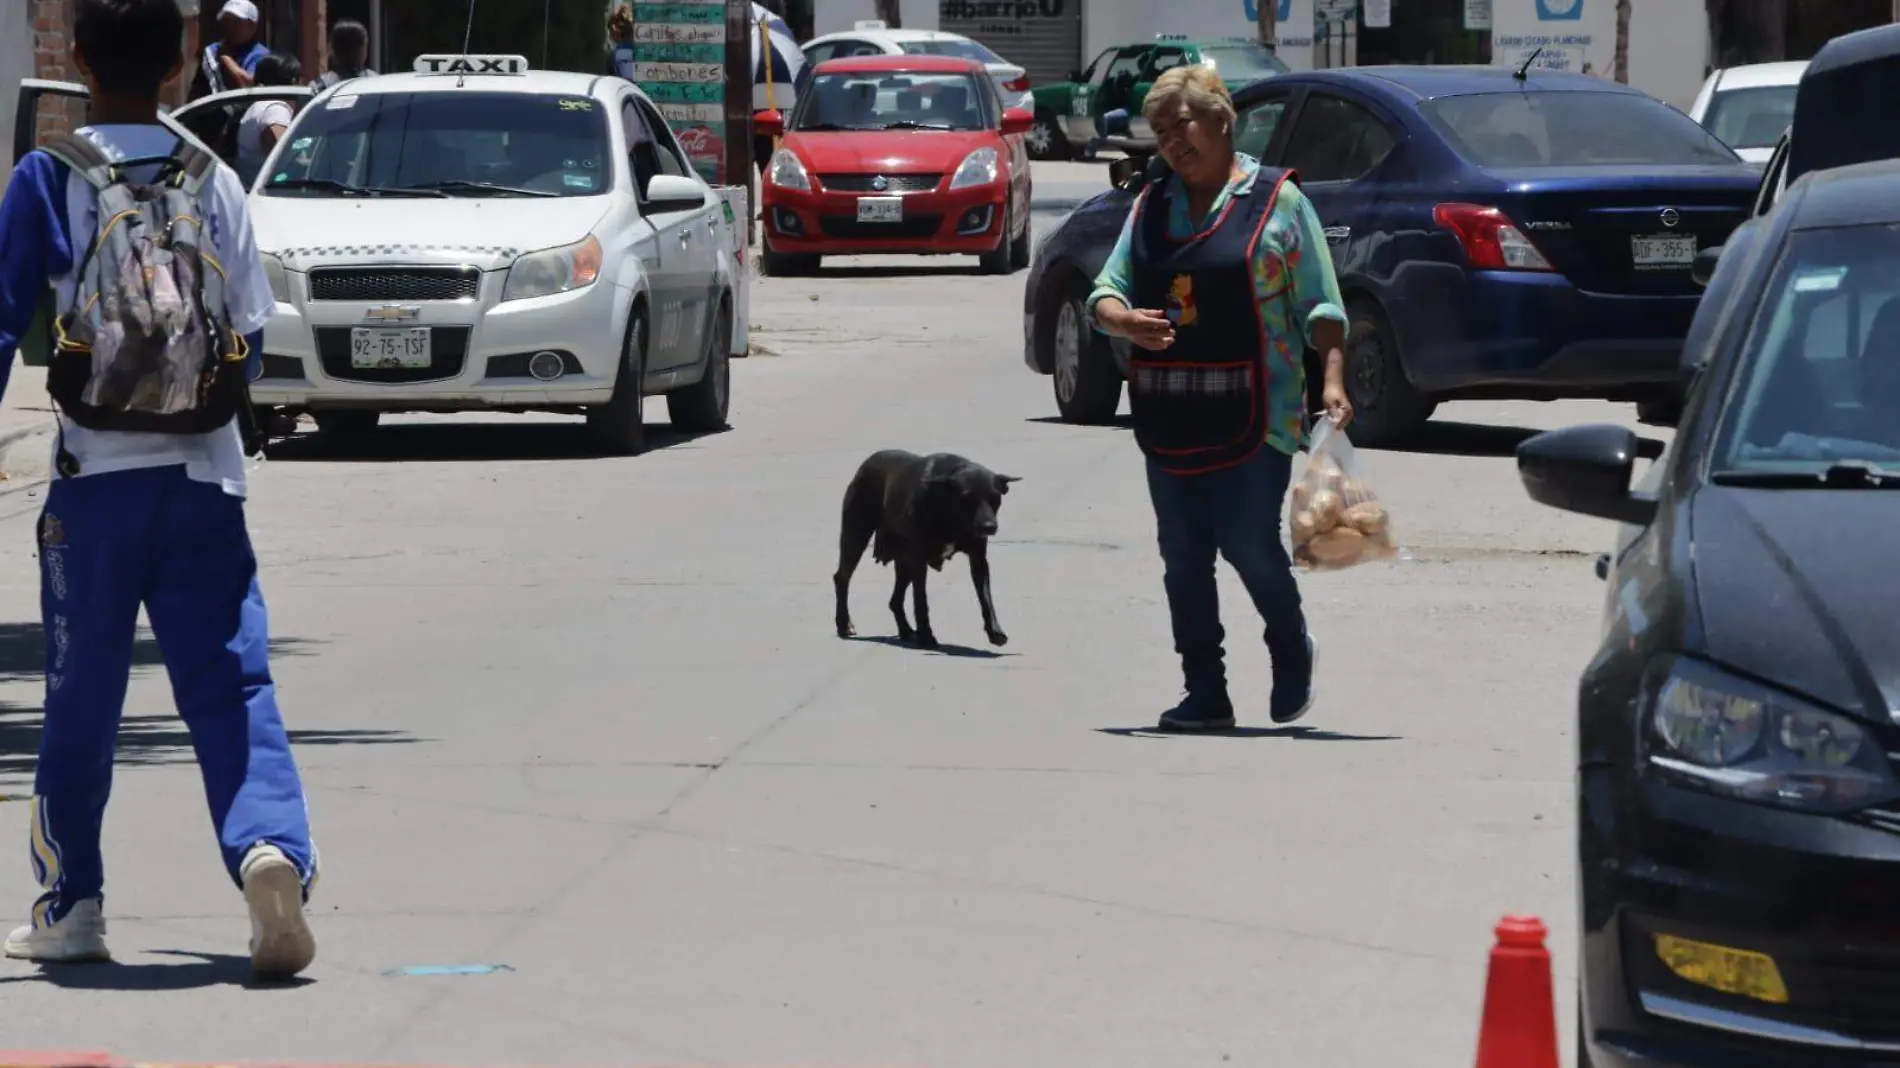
(1492, 242)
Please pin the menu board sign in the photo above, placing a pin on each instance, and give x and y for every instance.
(679, 59)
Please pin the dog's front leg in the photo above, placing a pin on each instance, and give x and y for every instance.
(979, 553)
(903, 569)
(920, 573)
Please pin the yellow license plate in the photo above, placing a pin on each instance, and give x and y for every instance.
(1741, 972)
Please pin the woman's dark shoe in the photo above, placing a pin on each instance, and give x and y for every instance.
(1199, 713)
(1293, 685)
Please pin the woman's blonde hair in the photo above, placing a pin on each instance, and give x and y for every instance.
(1195, 85)
(620, 22)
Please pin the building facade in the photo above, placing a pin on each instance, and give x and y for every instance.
(1672, 43)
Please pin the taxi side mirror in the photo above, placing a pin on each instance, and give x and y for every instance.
(670, 192)
(769, 123)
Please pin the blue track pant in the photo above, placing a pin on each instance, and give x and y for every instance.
(110, 543)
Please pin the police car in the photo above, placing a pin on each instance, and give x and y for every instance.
(475, 235)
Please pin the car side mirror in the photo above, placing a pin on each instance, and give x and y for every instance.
(1703, 268)
(670, 192)
(1075, 76)
(1587, 470)
(769, 123)
(1017, 121)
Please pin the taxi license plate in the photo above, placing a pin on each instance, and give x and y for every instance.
(1660, 252)
(881, 209)
(389, 349)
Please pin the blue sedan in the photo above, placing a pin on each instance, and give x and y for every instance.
(1496, 236)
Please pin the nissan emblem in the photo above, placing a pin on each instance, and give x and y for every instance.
(1670, 218)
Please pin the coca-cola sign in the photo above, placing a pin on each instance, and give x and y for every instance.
(699, 142)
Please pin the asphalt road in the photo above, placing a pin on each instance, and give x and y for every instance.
(586, 720)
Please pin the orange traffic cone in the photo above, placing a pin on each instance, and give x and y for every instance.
(1520, 1013)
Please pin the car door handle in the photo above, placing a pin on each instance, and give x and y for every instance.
(1337, 233)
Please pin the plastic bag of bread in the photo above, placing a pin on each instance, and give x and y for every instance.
(1336, 520)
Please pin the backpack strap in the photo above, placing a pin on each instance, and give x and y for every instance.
(195, 166)
(83, 157)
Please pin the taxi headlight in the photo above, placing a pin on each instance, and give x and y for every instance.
(279, 280)
(1729, 735)
(554, 270)
(978, 168)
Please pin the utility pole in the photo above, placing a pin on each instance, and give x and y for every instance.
(1266, 15)
(1621, 65)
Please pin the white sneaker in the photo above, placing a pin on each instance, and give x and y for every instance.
(281, 942)
(80, 936)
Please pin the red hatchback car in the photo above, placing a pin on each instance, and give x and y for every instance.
(897, 154)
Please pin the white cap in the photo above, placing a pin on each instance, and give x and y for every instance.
(242, 9)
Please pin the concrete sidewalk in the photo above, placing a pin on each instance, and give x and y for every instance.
(26, 424)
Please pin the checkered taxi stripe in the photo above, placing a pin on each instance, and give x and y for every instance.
(398, 250)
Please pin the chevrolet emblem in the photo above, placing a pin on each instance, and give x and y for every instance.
(393, 313)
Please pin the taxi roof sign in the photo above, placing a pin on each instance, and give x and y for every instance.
(871, 24)
(471, 64)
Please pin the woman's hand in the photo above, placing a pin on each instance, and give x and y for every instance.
(1338, 404)
(1329, 337)
(1145, 327)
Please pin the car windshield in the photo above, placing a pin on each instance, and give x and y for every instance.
(1240, 62)
(960, 48)
(1819, 381)
(465, 144)
(1750, 118)
(895, 101)
(1571, 129)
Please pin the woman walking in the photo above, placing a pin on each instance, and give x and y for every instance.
(1222, 279)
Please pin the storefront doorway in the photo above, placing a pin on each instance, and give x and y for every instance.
(1424, 31)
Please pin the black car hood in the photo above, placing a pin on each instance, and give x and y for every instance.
(1797, 588)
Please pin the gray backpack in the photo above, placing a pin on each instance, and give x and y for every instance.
(147, 344)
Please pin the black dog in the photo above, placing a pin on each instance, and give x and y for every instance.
(921, 510)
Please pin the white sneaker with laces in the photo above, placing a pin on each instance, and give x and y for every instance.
(79, 936)
(281, 942)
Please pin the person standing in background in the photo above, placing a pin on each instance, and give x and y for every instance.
(265, 121)
(349, 55)
(620, 36)
(227, 64)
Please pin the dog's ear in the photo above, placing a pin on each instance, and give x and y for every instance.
(1003, 481)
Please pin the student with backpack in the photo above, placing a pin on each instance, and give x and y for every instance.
(160, 298)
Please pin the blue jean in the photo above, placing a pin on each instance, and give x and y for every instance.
(110, 543)
(1233, 512)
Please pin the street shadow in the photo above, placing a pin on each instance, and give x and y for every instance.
(1448, 437)
(195, 971)
(1445, 437)
(943, 648)
(465, 443)
(1120, 422)
(145, 739)
(1294, 733)
(961, 266)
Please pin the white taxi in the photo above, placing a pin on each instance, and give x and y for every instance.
(475, 235)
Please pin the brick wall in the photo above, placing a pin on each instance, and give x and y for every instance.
(52, 59)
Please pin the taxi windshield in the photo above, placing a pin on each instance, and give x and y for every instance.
(895, 101)
(1820, 378)
(455, 143)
